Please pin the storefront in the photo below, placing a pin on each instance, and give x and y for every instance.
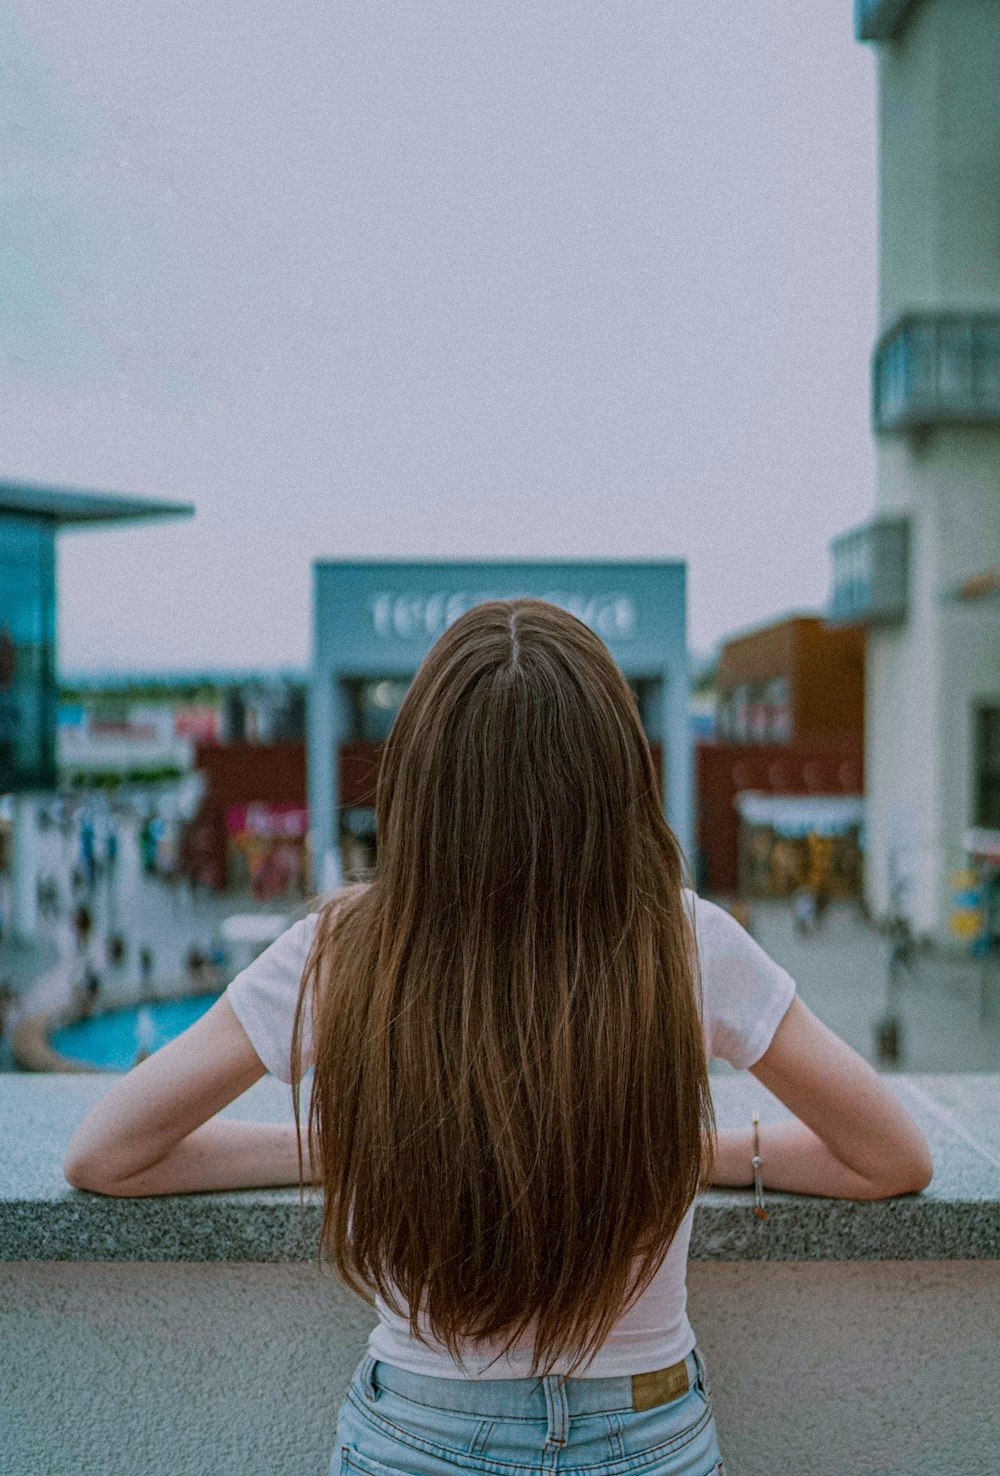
(975, 917)
(266, 849)
(792, 841)
(374, 623)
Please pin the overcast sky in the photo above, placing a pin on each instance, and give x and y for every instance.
(423, 279)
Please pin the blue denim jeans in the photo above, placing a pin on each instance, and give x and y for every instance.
(395, 1423)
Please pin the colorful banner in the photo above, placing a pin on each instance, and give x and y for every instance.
(200, 722)
(268, 821)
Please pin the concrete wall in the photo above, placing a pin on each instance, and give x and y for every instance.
(193, 1334)
(902, 732)
(968, 510)
(926, 675)
(939, 122)
(238, 1369)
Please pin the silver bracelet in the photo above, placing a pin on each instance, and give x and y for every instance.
(758, 1183)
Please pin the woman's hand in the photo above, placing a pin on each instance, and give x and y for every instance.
(152, 1133)
(853, 1138)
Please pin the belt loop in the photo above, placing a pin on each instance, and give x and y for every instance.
(366, 1375)
(557, 1409)
(702, 1372)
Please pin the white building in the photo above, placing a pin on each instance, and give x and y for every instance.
(922, 574)
(143, 739)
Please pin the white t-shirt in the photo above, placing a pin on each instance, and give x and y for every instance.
(746, 994)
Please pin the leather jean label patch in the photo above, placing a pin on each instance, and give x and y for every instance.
(660, 1386)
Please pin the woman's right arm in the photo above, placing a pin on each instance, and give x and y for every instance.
(853, 1138)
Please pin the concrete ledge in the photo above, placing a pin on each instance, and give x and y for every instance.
(868, 1343)
(43, 1219)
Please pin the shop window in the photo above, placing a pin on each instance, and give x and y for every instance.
(648, 693)
(987, 790)
(373, 706)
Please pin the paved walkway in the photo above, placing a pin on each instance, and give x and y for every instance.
(167, 918)
(842, 971)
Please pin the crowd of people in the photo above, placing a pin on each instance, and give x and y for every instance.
(91, 861)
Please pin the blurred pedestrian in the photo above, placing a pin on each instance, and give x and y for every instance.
(148, 837)
(6, 1000)
(91, 987)
(804, 911)
(146, 969)
(196, 966)
(87, 854)
(83, 923)
(48, 895)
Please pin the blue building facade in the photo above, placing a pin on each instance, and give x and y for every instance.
(27, 653)
(30, 518)
(375, 622)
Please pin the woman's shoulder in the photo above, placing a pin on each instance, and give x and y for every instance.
(716, 930)
(745, 992)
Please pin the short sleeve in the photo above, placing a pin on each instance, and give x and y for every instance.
(264, 998)
(745, 993)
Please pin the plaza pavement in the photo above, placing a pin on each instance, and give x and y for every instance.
(169, 918)
(841, 971)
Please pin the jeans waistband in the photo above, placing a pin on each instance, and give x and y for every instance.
(525, 1398)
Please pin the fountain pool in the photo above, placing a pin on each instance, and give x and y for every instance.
(113, 1041)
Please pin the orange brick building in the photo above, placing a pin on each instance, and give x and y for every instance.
(797, 679)
(790, 720)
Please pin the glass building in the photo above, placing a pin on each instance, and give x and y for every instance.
(30, 517)
(27, 652)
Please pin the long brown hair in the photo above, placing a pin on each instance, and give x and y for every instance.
(510, 1103)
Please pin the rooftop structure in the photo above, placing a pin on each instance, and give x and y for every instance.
(881, 20)
(68, 507)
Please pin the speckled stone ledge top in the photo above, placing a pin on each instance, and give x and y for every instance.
(43, 1219)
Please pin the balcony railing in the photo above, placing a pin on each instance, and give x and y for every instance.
(871, 573)
(195, 1333)
(934, 369)
(880, 20)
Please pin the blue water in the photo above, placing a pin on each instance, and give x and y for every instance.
(110, 1041)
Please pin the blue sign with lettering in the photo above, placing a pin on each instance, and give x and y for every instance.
(376, 621)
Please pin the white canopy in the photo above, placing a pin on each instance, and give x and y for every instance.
(802, 814)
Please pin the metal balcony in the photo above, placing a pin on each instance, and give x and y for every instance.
(880, 20)
(937, 369)
(871, 573)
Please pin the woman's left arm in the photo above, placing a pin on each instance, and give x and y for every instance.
(156, 1131)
